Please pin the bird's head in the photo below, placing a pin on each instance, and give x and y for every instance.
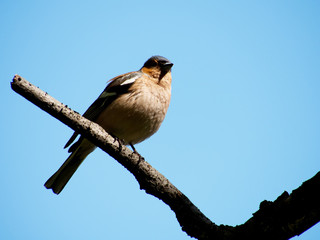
(157, 67)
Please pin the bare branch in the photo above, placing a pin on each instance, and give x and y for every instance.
(149, 178)
(284, 218)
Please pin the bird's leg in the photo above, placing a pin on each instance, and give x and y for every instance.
(136, 152)
(120, 141)
(133, 148)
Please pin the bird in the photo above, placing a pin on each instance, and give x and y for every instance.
(131, 108)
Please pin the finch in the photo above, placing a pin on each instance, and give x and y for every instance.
(131, 108)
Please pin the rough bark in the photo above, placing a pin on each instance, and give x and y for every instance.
(287, 216)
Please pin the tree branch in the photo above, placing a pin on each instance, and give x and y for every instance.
(286, 217)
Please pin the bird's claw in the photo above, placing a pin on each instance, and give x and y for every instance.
(136, 152)
(120, 142)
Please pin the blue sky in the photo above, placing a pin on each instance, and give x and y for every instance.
(242, 127)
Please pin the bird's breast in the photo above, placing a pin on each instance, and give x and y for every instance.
(136, 115)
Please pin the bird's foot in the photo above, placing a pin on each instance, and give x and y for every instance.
(136, 152)
(120, 142)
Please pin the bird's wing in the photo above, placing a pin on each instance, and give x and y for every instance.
(117, 86)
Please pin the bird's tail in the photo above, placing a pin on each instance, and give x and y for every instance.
(61, 177)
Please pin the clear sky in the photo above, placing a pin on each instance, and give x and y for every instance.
(242, 127)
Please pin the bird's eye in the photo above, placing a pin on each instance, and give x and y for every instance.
(151, 63)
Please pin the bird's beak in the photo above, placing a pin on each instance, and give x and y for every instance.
(165, 69)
